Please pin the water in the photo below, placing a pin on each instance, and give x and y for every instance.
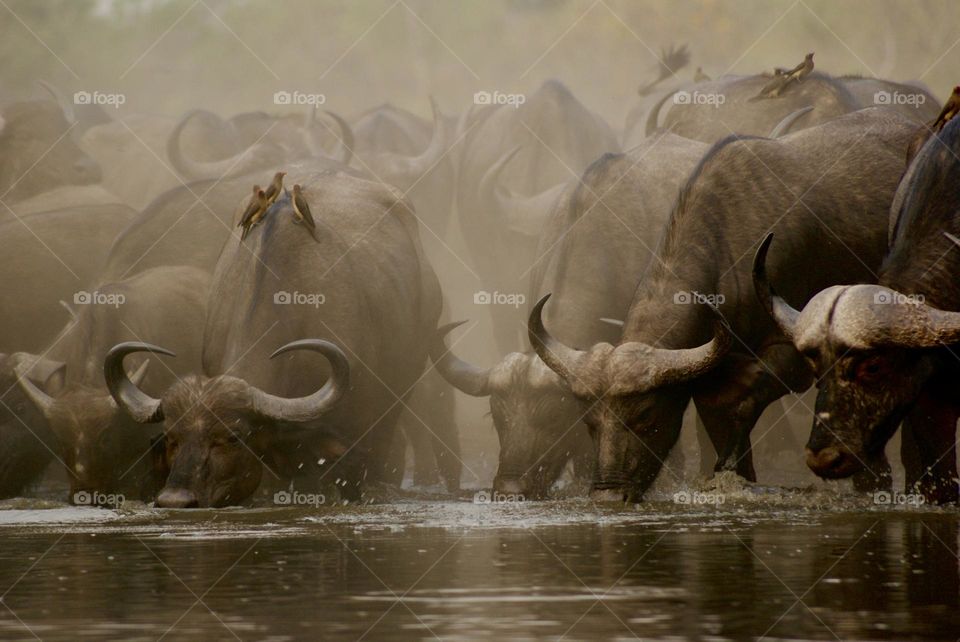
(772, 563)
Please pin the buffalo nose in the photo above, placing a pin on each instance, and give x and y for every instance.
(177, 498)
(824, 460)
(87, 170)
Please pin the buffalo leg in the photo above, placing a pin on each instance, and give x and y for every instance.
(933, 423)
(736, 394)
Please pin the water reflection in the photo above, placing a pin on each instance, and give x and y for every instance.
(421, 570)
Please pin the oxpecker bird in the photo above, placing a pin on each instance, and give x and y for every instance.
(950, 109)
(273, 191)
(256, 215)
(302, 209)
(252, 206)
(802, 70)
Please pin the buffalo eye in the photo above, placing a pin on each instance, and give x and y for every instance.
(871, 369)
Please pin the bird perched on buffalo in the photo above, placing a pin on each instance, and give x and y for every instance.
(254, 212)
(302, 210)
(802, 70)
(252, 205)
(923, 134)
(950, 109)
(276, 185)
(782, 78)
(699, 76)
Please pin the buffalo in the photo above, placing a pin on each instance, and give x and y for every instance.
(360, 279)
(512, 165)
(620, 204)
(884, 352)
(38, 151)
(101, 447)
(674, 349)
(713, 109)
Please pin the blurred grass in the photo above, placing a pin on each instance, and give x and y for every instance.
(231, 55)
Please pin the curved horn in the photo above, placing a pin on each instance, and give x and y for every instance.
(463, 376)
(255, 156)
(40, 399)
(58, 98)
(524, 214)
(312, 406)
(142, 407)
(653, 117)
(783, 127)
(409, 169)
(561, 359)
(641, 367)
(345, 141)
(425, 160)
(779, 310)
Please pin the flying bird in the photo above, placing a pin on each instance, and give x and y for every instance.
(672, 59)
(255, 214)
(301, 209)
(950, 109)
(273, 190)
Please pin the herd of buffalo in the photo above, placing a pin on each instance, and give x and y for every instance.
(167, 336)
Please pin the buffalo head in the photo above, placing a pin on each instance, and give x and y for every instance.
(635, 399)
(536, 416)
(216, 429)
(873, 350)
